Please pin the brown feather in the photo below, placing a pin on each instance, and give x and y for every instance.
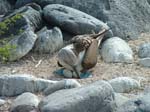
(90, 58)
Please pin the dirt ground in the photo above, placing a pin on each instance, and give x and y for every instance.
(48, 63)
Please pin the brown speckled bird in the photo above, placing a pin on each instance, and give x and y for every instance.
(81, 54)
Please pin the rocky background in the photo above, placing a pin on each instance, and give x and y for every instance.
(31, 33)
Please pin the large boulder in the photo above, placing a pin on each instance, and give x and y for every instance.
(116, 50)
(25, 100)
(5, 7)
(21, 18)
(25, 108)
(126, 18)
(35, 21)
(64, 84)
(20, 3)
(12, 2)
(124, 84)
(143, 103)
(17, 35)
(12, 85)
(67, 36)
(22, 44)
(35, 6)
(140, 104)
(72, 20)
(2, 102)
(49, 41)
(127, 107)
(96, 97)
(120, 99)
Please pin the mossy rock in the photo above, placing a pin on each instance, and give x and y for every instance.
(12, 26)
(18, 46)
(17, 21)
(7, 31)
(5, 52)
(17, 35)
(5, 49)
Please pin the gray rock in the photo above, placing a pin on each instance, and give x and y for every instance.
(124, 84)
(147, 90)
(97, 97)
(2, 102)
(25, 99)
(116, 50)
(126, 18)
(67, 36)
(12, 85)
(21, 3)
(5, 6)
(35, 6)
(72, 20)
(64, 84)
(25, 108)
(35, 21)
(140, 104)
(22, 44)
(144, 50)
(127, 107)
(19, 36)
(12, 2)
(143, 103)
(49, 41)
(145, 62)
(148, 1)
(20, 19)
(120, 99)
(42, 84)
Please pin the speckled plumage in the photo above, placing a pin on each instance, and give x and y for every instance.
(83, 49)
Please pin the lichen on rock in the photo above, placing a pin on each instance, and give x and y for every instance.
(7, 24)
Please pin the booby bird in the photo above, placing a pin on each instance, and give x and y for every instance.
(81, 54)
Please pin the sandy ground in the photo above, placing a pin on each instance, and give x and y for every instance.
(102, 71)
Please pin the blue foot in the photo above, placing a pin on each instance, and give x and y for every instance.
(59, 72)
(85, 75)
(82, 75)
